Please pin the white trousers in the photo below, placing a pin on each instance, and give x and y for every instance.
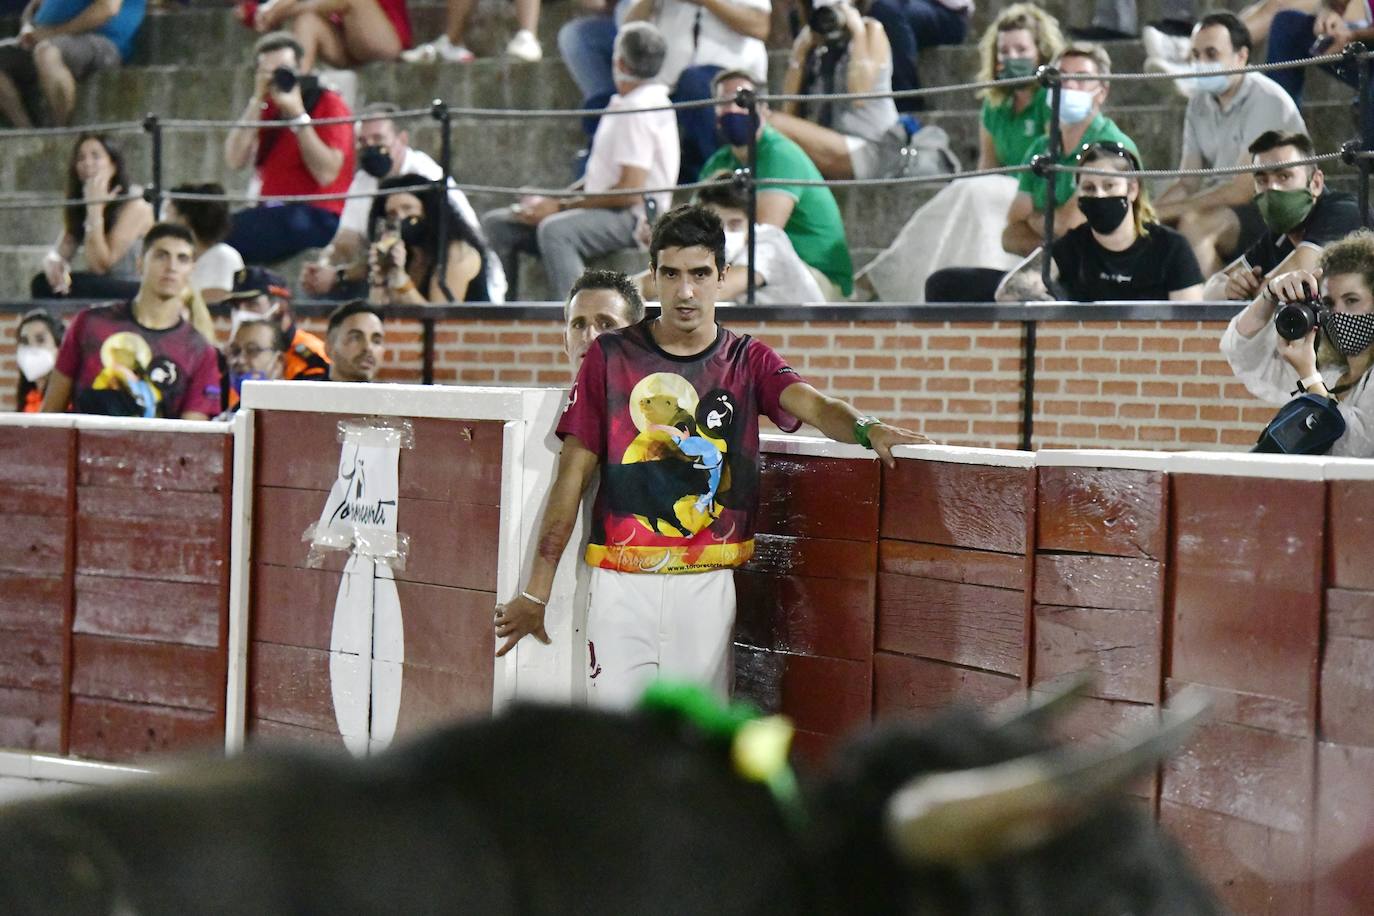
(642, 626)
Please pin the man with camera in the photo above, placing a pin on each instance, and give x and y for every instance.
(1301, 217)
(299, 157)
(1310, 332)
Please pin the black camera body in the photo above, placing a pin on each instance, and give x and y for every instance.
(284, 79)
(1295, 320)
(827, 23)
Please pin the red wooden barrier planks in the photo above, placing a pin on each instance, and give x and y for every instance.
(959, 505)
(969, 625)
(810, 496)
(35, 584)
(111, 730)
(1345, 830)
(903, 685)
(154, 461)
(1109, 511)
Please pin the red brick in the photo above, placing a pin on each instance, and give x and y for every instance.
(948, 343)
(806, 342)
(826, 361)
(1054, 342)
(921, 406)
(1218, 413)
(559, 377)
(1061, 408)
(1080, 342)
(478, 337)
(875, 404)
(997, 427)
(970, 364)
(515, 338)
(856, 341)
(537, 357)
(1058, 364)
(549, 340)
(1197, 434)
(1201, 345)
(1128, 389)
(1200, 390)
(1139, 366)
(875, 362)
(1138, 411)
(445, 337)
(904, 342)
(1159, 389)
(900, 383)
(946, 426)
(1177, 367)
(1099, 325)
(999, 343)
(477, 375)
(1098, 409)
(1121, 344)
(1158, 434)
(1080, 386)
(515, 376)
(853, 382)
(1178, 411)
(497, 356)
(1001, 385)
(924, 363)
(1116, 433)
(1216, 367)
(962, 405)
(1260, 415)
(1098, 366)
(1243, 437)
(1080, 430)
(1160, 345)
(1010, 364)
(947, 384)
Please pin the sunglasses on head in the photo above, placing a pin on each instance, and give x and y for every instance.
(1107, 148)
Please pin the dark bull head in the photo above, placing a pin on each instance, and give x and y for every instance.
(558, 810)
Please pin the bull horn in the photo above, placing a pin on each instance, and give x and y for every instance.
(1050, 700)
(968, 816)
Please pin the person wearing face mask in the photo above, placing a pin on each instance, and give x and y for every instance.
(403, 260)
(256, 352)
(260, 294)
(940, 234)
(384, 151)
(1225, 114)
(1301, 217)
(1333, 360)
(39, 335)
(1119, 252)
(807, 213)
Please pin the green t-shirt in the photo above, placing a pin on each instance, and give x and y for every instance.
(1102, 128)
(815, 227)
(1013, 132)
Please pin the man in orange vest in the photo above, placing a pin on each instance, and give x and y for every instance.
(260, 294)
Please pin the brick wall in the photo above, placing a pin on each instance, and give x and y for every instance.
(1113, 384)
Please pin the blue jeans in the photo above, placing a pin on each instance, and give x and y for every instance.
(271, 233)
(1291, 38)
(910, 26)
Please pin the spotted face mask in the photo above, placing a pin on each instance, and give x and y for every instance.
(1352, 334)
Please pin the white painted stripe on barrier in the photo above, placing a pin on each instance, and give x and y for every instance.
(1348, 469)
(953, 454)
(66, 769)
(1245, 464)
(1122, 459)
(445, 402)
(240, 559)
(814, 446)
(114, 424)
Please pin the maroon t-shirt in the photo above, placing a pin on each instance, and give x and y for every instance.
(678, 442)
(120, 368)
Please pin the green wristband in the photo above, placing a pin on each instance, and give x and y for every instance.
(861, 426)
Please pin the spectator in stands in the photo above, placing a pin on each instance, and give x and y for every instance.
(629, 153)
(1168, 44)
(1334, 359)
(260, 294)
(450, 47)
(1295, 34)
(208, 220)
(291, 159)
(1225, 114)
(105, 233)
(853, 139)
(256, 352)
(912, 25)
(60, 42)
(1120, 252)
(344, 33)
(38, 336)
(807, 213)
(1301, 217)
(140, 358)
(599, 301)
(1081, 122)
(704, 37)
(780, 276)
(384, 151)
(940, 234)
(403, 260)
(356, 342)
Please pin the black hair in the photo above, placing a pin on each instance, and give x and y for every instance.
(56, 326)
(74, 215)
(276, 41)
(208, 219)
(727, 75)
(165, 230)
(723, 192)
(348, 310)
(437, 206)
(688, 226)
(1240, 35)
(1273, 139)
(616, 282)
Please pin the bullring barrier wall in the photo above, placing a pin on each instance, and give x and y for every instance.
(964, 573)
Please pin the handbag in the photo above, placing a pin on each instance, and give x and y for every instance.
(1307, 425)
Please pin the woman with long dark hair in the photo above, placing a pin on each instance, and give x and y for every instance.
(404, 255)
(38, 338)
(106, 234)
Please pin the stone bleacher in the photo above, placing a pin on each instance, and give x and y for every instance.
(193, 63)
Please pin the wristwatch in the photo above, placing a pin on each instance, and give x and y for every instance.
(300, 121)
(861, 427)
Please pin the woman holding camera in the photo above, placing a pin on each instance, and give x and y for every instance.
(105, 232)
(1333, 357)
(1119, 252)
(404, 257)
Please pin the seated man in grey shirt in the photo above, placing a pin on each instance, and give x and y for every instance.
(1225, 114)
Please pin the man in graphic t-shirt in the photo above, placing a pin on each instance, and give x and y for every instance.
(669, 410)
(140, 358)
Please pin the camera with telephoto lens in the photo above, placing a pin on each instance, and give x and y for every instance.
(1295, 320)
(827, 22)
(284, 79)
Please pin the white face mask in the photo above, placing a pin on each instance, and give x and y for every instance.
(1075, 105)
(1209, 81)
(35, 362)
(243, 316)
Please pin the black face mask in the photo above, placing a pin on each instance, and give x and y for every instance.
(1104, 214)
(375, 161)
(412, 230)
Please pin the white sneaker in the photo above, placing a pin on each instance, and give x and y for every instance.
(440, 49)
(1183, 87)
(524, 46)
(1161, 45)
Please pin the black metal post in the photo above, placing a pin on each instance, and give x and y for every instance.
(1049, 78)
(1028, 388)
(427, 351)
(746, 99)
(439, 110)
(1366, 116)
(154, 192)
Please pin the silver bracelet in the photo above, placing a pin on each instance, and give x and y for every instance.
(528, 597)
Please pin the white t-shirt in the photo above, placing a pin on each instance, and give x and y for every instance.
(417, 162)
(787, 279)
(697, 37)
(216, 268)
(647, 141)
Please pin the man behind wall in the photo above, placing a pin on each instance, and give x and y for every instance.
(298, 158)
(599, 301)
(630, 152)
(142, 357)
(355, 342)
(260, 294)
(669, 410)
